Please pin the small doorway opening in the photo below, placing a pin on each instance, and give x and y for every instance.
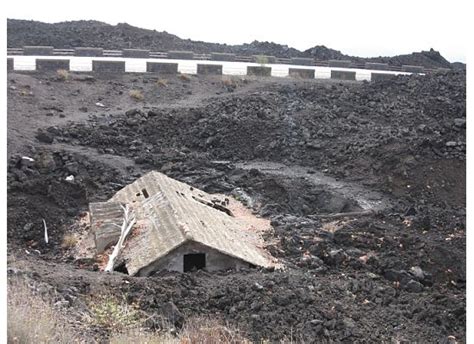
(194, 261)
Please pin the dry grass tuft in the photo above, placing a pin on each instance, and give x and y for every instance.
(162, 82)
(62, 74)
(211, 331)
(137, 95)
(33, 320)
(185, 77)
(332, 227)
(195, 330)
(142, 337)
(112, 313)
(69, 241)
(229, 81)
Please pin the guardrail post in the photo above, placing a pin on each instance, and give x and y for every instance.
(209, 69)
(38, 50)
(162, 67)
(87, 51)
(343, 75)
(301, 73)
(259, 70)
(51, 64)
(100, 66)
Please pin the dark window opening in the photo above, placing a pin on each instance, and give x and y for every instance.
(194, 261)
(122, 268)
(145, 193)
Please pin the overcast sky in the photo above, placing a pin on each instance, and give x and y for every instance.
(362, 27)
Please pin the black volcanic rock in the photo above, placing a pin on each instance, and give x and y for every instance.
(89, 33)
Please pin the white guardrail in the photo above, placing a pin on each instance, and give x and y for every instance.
(138, 65)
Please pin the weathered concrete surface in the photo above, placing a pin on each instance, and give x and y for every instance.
(38, 50)
(108, 66)
(170, 214)
(343, 75)
(174, 261)
(376, 66)
(222, 57)
(162, 67)
(52, 64)
(208, 69)
(301, 73)
(87, 51)
(269, 59)
(381, 76)
(413, 69)
(303, 61)
(259, 70)
(106, 221)
(138, 53)
(339, 63)
(9, 64)
(184, 55)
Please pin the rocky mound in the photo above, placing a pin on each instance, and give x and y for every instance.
(395, 274)
(121, 36)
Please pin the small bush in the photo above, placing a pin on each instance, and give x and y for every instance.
(25, 92)
(262, 60)
(109, 312)
(229, 81)
(196, 330)
(33, 320)
(141, 337)
(211, 331)
(162, 82)
(62, 74)
(185, 77)
(69, 241)
(137, 95)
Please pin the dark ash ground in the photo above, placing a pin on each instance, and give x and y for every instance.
(295, 151)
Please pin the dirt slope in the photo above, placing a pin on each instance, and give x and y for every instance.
(395, 274)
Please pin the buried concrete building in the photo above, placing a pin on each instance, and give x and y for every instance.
(178, 228)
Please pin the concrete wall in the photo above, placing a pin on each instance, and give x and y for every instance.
(343, 75)
(108, 66)
(9, 64)
(259, 70)
(139, 53)
(174, 260)
(106, 220)
(339, 63)
(270, 59)
(412, 69)
(222, 57)
(208, 69)
(38, 50)
(86, 51)
(184, 55)
(51, 64)
(301, 73)
(302, 61)
(381, 76)
(162, 67)
(376, 66)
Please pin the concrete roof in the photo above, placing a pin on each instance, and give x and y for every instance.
(170, 213)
